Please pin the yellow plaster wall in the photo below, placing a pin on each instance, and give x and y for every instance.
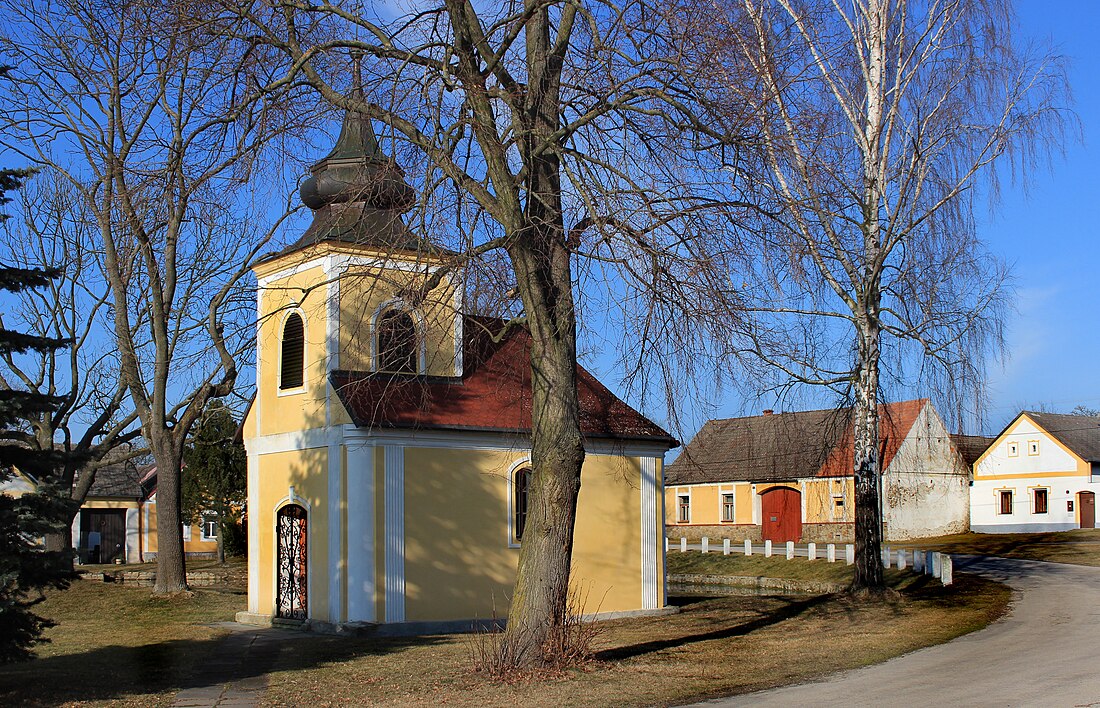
(458, 560)
(306, 471)
(743, 501)
(281, 412)
(363, 290)
(149, 532)
(110, 504)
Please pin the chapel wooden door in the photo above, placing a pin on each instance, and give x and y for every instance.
(781, 508)
(1088, 510)
(291, 598)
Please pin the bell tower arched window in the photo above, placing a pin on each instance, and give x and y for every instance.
(293, 352)
(397, 342)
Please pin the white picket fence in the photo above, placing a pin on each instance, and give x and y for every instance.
(932, 563)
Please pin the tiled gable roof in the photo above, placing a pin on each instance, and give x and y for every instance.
(493, 394)
(971, 447)
(786, 446)
(1080, 433)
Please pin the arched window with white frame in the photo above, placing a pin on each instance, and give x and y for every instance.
(292, 346)
(397, 345)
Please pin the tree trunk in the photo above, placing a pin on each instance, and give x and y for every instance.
(868, 526)
(171, 572)
(541, 593)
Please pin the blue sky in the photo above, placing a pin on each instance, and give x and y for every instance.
(1049, 236)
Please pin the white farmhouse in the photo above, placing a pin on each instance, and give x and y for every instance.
(1042, 473)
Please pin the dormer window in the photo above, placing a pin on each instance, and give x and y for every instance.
(293, 352)
(397, 342)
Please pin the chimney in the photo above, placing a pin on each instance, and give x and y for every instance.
(768, 411)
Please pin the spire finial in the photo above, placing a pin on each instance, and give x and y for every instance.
(357, 73)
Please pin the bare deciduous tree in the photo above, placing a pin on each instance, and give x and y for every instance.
(881, 120)
(574, 143)
(155, 121)
(91, 420)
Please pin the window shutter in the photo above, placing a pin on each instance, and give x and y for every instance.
(293, 353)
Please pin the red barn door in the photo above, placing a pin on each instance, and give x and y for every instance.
(781, 508)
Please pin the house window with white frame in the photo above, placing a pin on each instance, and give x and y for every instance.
(727, 507)
(209, 528)
(1005, 497)
(1039, 501)
(683, 505)
(1014, 449)
(1033, 447)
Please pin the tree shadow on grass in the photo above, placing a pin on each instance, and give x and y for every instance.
(792, 609)
(117, 672)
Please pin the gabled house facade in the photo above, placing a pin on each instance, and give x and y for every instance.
(1042, 473)
(788, 477)
(118, 520)
(389, 439)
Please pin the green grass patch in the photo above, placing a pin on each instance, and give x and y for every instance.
(119, 644)
(818, 570)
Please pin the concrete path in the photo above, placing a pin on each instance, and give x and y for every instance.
(235, 674)
(1046, 652)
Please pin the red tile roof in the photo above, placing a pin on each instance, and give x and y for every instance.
(895, 420)
(493, 394)
(786, 446)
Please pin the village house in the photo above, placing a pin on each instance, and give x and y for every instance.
(1042, 473)
(388, 442)
(788, 477)
(118, 520)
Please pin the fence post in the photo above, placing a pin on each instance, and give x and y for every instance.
(830, 552)
(790, 550)
(937, 564)
(886, 557)
(768, 549)
(725, 546)
(706, 544)
(683, 544)
(947, 569)
(901, 559)
(666, 544)
(850, 553)
(811, 550)
(748, 546)
(918, 560)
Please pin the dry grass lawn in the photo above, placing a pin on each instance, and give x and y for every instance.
(1080, 547)
(118, 645)
(718, 646)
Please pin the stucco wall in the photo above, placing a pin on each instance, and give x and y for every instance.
(926, 489)
(460, 559)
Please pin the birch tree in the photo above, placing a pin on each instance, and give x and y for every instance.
(573, 141)
(883, 120)
(155, 121)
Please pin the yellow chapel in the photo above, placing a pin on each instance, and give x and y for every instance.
(389, 439)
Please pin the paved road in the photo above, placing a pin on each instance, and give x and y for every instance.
(1046, 652)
